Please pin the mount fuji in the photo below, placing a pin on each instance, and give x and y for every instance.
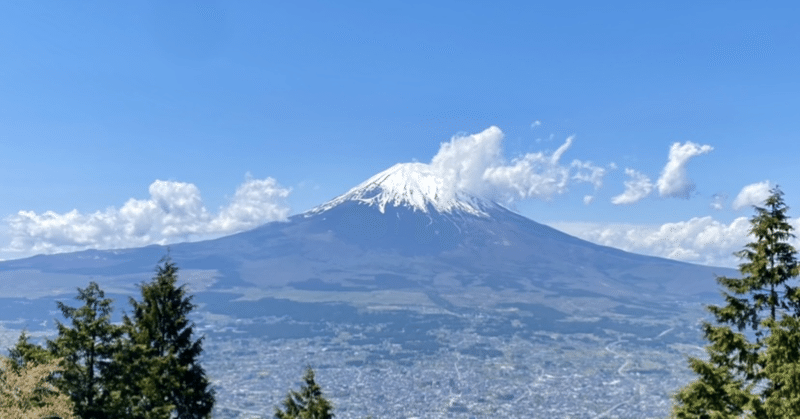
(407, 271)
(405, 222)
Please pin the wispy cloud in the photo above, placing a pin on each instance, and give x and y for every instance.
(638, 187)
(753, 194)
(718, 201)
(674, 181)
(173, 212)
(587, 172)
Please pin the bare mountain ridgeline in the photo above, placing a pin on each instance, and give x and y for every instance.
(409, 301)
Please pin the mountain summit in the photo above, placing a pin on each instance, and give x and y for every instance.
(414, 185)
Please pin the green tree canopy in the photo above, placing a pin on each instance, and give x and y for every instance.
(160, 359)
(753, 365)
(308, 403)
(87, 346)
(25, 352)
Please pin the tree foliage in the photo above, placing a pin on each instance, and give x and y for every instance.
(25, 352)
(87, 346)
(308, 403)
(145, 368)
(26, 391)
(161, 355)
(753, 365)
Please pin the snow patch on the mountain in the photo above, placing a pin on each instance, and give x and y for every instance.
(414, 185)
(469, 175)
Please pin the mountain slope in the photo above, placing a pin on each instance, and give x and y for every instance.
(398, 281)
(411, 185)
(402, 223)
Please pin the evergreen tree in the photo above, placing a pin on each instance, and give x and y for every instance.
(308, 403)
(87, 347)
(753, 366)
(24, 352)
(164, 377)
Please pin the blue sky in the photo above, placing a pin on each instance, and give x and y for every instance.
(126, 123)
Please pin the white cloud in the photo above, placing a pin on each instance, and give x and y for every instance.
(701, 240)
(475, 163)
(587, 199)
(561, 150)
(718, 201)
(534, 175)
(674, 180)
(536, 123)
(463, 161)
(638, 187)
(588, 172)
(173, 212)
(255, 201)
(754, 194)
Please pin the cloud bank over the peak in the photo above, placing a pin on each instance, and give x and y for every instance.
(475, 163)
(173, 212)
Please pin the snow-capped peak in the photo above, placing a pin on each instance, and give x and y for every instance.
(410, 184)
